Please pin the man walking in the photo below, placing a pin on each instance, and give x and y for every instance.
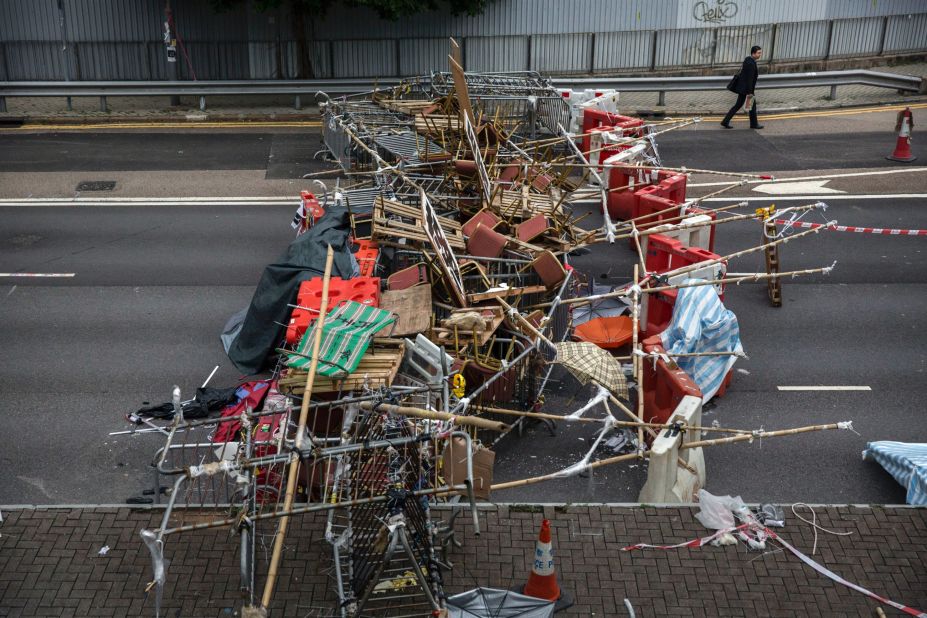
(744, 88)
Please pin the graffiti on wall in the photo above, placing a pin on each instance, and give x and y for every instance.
(714, 11)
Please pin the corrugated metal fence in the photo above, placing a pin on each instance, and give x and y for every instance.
(76, 52)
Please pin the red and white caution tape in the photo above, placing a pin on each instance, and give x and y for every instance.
(804, 558)
(705, 540)
(857, 230)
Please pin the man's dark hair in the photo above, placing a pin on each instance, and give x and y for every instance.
(755, 49)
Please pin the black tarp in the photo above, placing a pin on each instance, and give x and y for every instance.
(262, 329)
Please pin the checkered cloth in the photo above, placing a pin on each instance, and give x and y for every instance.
(588, 362)
(702, 324)
(907, 462)
(345, 338)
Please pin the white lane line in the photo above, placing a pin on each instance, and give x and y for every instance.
(38, 274)
(149, 201)
(906, 170)
(827, 198)
(824, 388)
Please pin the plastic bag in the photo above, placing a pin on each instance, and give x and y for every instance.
(717, 512)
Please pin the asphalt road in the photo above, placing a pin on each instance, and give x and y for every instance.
(154, 286)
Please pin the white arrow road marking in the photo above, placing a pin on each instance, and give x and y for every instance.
(802, 187)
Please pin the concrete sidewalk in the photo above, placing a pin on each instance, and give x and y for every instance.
(256, 108)
(50, 563)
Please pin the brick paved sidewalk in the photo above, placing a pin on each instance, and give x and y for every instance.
(49, 564)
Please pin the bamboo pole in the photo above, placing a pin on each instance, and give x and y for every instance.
(567, 419)
(750, 278)
(300, 432)
(668, 226)
(701, 443)
(554, 140)
(471, 421)
(744, 279)
(638, 368)
(757, 435)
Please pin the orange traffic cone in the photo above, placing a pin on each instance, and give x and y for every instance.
(542, 583)
(903, 145)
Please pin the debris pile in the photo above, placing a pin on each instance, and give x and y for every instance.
(419, 313)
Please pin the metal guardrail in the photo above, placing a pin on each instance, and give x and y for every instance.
(300, 88)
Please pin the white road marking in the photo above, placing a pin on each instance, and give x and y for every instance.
(824, 388)
(799, 198)
(905, 170)
(152, 201)
(37, 274)
(802, 187)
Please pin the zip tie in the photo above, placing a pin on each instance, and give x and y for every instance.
(211, 469)
(464, 402)
(635, 289)
(847, 425)
(827, 270)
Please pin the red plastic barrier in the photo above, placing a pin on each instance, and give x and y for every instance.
(665, 384)
(360, 289)
(663, 255)
(622, 202)
(713, 216)
(596, 118)
(366, 255)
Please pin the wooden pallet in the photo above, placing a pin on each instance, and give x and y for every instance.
(378, 367)
(394, 221)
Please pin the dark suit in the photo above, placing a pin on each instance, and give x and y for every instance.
(745, 85)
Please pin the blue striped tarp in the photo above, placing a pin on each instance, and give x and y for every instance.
(907, 462)
(702, 324)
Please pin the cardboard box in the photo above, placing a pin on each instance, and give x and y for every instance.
(455, 467)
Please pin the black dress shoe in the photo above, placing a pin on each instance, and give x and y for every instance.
(759, 126)
(726, 126)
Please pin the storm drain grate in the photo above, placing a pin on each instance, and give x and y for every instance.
(96, 185)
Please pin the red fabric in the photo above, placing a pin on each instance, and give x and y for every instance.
(251, 395)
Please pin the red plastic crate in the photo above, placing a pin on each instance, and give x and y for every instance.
(364, 290)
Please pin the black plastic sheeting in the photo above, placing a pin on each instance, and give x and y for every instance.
(262, 329)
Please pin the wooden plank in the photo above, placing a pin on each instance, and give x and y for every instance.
(412, 307)
(531, 289)
(460, 88)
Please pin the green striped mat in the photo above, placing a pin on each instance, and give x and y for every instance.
(345, 337)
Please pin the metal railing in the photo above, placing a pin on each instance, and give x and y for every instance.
(303, 88)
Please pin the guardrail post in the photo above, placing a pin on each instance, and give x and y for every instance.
(297, 102)
(833, 93)
(2, 104)
(202, 104)
(68, 103)
(103, 104)
(661, 100)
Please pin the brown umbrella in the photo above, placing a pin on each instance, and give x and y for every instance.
(590, 363)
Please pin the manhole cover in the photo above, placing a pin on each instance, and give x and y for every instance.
(96, 185)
